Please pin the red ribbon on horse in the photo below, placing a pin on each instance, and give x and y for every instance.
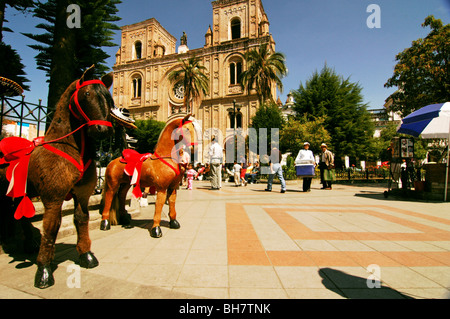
(133, 168)
(17, 153)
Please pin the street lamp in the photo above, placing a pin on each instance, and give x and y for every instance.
(236, 110)
(238, 107)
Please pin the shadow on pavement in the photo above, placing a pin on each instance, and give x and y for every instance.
(353, 287)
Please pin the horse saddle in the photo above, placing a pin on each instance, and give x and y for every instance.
(133, 161)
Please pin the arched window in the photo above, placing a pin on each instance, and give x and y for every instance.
(232, 73)
(235, 120)
(235, 72)
(138, 50)
(137, 87)
(239, 120)
(235, 28)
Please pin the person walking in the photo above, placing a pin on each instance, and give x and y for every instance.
(306, 156)
(215, 157)
(326, 163)
(275, 169)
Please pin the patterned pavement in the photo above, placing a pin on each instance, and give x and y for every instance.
(243, 242)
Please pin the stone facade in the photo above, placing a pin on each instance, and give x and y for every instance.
(148, 54)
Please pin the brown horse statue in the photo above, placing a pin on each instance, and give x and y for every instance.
(162, 169)
(61, 166)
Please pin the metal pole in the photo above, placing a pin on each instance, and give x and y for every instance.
(39, 118)
(448, 160)
(1, 114)
(21, 115)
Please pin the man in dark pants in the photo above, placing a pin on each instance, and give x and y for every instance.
(326, 162)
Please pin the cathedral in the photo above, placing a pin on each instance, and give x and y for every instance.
(148, 54)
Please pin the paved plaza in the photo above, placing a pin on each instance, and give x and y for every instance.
(245, 243)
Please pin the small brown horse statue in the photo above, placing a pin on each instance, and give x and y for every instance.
(61, 166)
(162, 169)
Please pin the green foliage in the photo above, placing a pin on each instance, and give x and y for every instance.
(269, 117)
(11, 66)
(263, 69)
(194, 80)
(289, 171)
(97, 31)
(147, 134)
(21, 5)
(296, 132)
(422, 73)
(339, 102)
(12, 70)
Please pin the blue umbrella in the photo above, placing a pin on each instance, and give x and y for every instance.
(431, 121)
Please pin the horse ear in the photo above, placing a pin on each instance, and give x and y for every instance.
(88, 74)
(107, 79)
(186, 118)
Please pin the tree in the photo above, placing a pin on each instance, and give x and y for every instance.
(268, 117)
(21, 5)
(64, 53)
(422, 73)
(195, 82)
(146, 134)
(263, 69)
(339, 102)
(13, 69)
(296, 132)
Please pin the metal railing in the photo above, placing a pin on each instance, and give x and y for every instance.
(24, 113)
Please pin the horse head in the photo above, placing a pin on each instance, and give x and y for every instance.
(186, 133)
(91, 103)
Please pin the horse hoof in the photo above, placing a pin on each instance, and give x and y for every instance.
(105, 225)
(125, 219)
(88, 260)
(44, 277)
(174, 224)
(155, 232)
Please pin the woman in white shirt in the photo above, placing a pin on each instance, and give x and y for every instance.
(306, 156)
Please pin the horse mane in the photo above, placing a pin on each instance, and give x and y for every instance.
(61, 109)
(170, 121)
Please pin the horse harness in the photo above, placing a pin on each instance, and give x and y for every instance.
(82, 167)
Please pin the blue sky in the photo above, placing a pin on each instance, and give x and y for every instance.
(309, 32)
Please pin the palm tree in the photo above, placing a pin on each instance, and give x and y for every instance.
(194, 80)
(263, 69)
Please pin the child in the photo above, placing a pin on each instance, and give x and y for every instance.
(190, 173)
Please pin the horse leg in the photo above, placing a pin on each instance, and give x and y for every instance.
(50, 223)
(172, 194)
(109, 193)
(81, 221)
(160, 200)
(124, 217)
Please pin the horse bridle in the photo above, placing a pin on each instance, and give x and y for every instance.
(80, 116)
(161, 158)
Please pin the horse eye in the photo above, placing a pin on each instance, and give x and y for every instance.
(87, 93)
